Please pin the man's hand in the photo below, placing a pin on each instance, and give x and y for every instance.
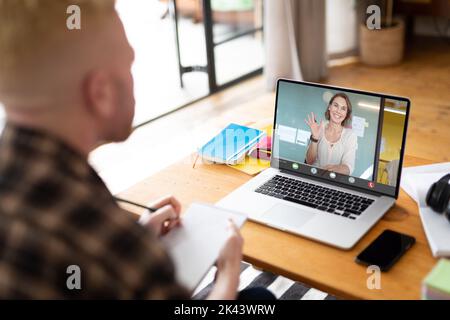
(228, 266)
(165, 218)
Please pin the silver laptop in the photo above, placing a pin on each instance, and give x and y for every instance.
(335, 165)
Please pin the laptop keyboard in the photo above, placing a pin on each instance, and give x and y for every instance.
(332, 201)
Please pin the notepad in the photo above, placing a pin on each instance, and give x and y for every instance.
(416, 181)
(437, 283)
(230, 145)
(195, 245)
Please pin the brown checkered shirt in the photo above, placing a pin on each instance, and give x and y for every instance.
(55, 212)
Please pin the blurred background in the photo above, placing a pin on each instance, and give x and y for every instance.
(184, 53)
(199, 63)
(189, 49)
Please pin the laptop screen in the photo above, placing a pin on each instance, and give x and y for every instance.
(341, 135)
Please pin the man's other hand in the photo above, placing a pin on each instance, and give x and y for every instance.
(165, 218)
(228, 266)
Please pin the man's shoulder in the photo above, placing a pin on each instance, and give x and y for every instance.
(114, 254)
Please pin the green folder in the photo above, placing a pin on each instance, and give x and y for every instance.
(439, 277)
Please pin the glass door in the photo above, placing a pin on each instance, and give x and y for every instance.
(233, 40)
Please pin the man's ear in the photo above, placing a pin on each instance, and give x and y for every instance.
(99, 94)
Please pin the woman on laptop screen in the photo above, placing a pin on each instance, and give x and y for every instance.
(333, 145)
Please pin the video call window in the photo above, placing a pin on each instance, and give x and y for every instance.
(354, 138)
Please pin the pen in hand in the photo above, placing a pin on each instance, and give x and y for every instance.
(165, 226)
(135, 204)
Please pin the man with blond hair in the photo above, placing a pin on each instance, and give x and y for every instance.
(65, 91)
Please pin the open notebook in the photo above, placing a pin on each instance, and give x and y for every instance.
(195, 245)
(416, 181)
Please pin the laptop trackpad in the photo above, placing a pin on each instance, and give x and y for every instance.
(286, 216)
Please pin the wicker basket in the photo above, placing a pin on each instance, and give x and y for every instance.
(382, 47)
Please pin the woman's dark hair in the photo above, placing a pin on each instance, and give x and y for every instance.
(349, 107)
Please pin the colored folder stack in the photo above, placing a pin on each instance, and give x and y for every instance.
(231, 145)
(258, 158)
(436, 285)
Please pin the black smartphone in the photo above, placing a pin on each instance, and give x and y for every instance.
(385, 250)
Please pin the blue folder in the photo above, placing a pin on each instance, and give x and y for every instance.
(231, 144)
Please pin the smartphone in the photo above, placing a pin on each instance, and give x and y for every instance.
(385, 250)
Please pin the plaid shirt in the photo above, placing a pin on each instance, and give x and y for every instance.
(55, 212)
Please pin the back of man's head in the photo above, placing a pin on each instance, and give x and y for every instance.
(35, 42)
(48, 61)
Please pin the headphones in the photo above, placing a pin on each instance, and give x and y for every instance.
(438, 196)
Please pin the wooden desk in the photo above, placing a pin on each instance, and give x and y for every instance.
(323, 267)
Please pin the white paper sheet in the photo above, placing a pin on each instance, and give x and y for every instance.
(416, 181)
(195, 245)
(287, 134)
(302, 137)
(358, 126)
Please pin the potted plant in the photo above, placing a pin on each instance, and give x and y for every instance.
(383, 46)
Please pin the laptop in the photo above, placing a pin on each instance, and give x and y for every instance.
(334, 185)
